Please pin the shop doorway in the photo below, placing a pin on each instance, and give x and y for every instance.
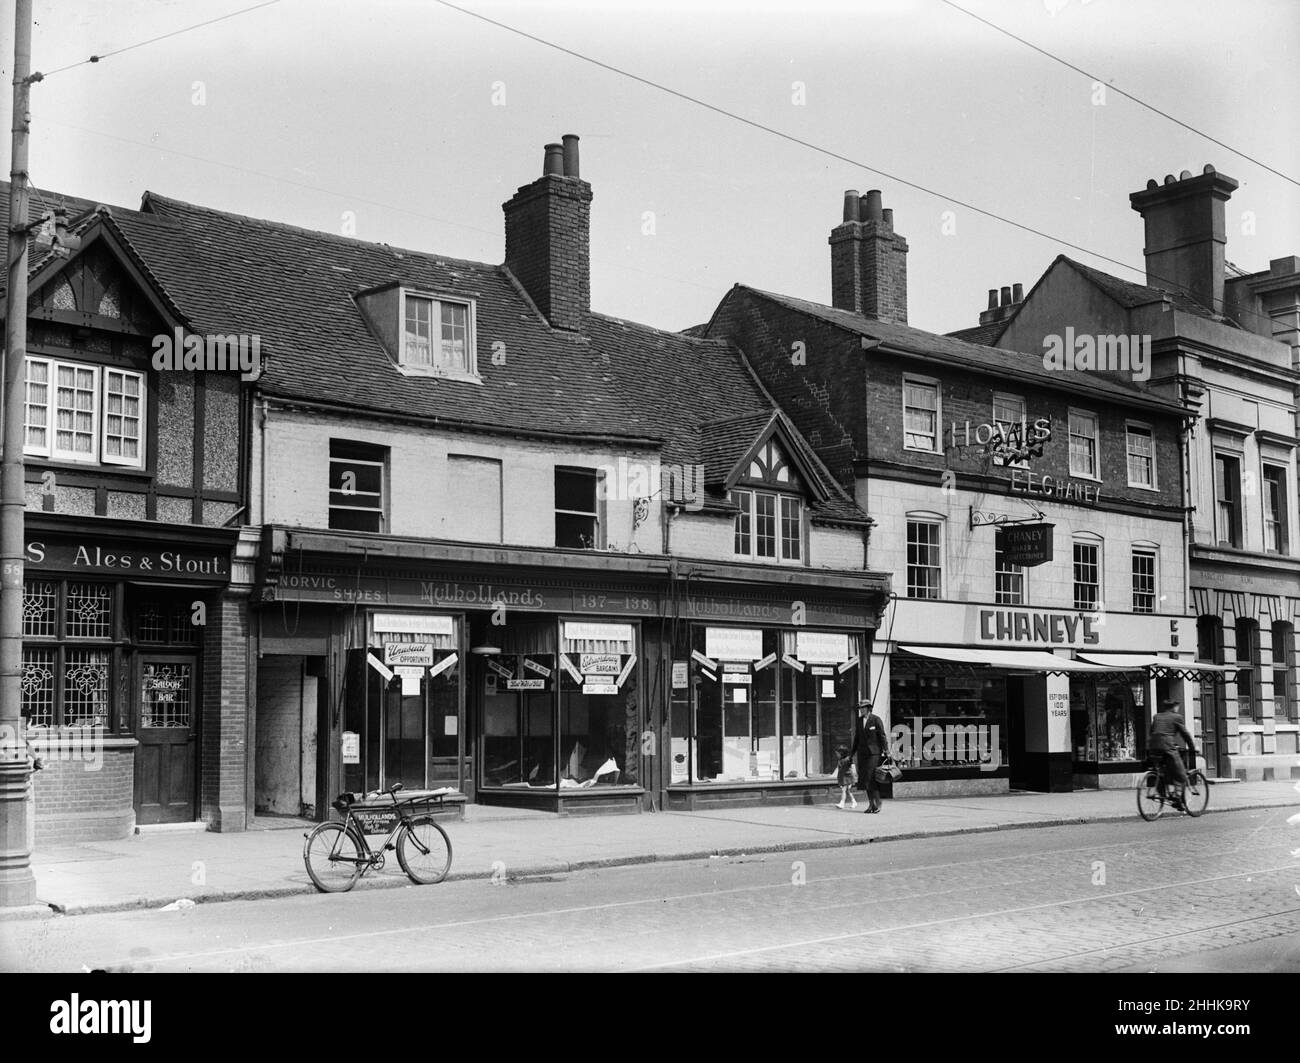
(166, 764)
(1021, 777)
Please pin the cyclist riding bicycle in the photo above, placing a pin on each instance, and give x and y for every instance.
(1163, 743)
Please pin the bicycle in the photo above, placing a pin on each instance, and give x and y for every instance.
(1153, 793)
(337, 853)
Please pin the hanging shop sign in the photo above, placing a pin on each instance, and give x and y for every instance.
(822, 647)
(681, 675)
(733, 643)
(408, 653)
(599, 663)
(585, 631)
(525, 684)
(1025, 545)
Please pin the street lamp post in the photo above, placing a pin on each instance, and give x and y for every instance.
(17, 883)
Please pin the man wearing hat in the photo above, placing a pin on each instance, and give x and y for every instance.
(1163, 742)
(869, 743)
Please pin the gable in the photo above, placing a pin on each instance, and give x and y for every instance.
(98, 288)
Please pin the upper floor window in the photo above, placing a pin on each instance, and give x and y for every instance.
(1087, 575)
(1275, 502)
(357, 495)
(1083, 445)
(84, 413)
(437, 334)
(1141, 456)
(920, 414)
(1009, 416)
(1144, 580)
(1247, 632)
(577, 513)
(1009, 580)
(1227, 500)
(924, 559)
(768, 526)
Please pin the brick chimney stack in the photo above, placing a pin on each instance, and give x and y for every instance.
(1011, 299)
(1185, 233)
(548, 238)
(869, 261)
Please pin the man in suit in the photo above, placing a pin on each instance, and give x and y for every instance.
(869, 743)
(1166, 741)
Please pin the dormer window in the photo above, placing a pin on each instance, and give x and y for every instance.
(769, 524)
(437, 335)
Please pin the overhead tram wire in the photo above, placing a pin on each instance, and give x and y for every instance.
(1127, 95)
(791, 138)
(161, 37)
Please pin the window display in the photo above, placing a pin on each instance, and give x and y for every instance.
(943, 721)
(1108, 719)
(766, 705)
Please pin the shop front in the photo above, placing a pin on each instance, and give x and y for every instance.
(574, 682)
(987, 699)
(115, 634)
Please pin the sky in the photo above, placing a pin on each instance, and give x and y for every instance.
(410, 123)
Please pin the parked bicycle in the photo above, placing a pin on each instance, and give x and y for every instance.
(337, 853)
(1154, 791)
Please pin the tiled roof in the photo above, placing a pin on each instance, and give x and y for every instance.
(957, 352)
(727, 441)
(295, 288)
(982, 335)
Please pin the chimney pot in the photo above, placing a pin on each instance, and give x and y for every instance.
(993, 298)
(554, 162)
(873, 205)
(1017, 293)
(1151, 185)
(1208, 168)
(1184, 175)
(887, 218)
(1169, 178)
(851, 204)
(571, 155)
(1006, 296)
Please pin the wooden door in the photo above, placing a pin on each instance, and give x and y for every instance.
(166, 759)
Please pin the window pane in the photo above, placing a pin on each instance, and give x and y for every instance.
(356, 486)
(923, 564)
(417, 348)
(1083, 445)
(1144, 581)
(1141, 458)
(744, 500)
(1009, 581)
(1086, 576)
(40, 608)
(38, 404)
(791, 528)
(575, 532)
(575, 490)
(89, 612)
(38, 686)
(74, 399)
(920, 415)
(765, 524)
(85, 688)
(455, 336)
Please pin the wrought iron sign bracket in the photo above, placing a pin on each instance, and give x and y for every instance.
(979, 519)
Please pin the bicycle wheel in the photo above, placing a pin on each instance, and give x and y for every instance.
(1150, 803)
(333, 857)
(1196, 794)
(424, 851)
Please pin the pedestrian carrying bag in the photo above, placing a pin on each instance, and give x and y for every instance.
(888, 771)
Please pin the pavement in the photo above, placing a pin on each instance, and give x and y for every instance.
(161, 866)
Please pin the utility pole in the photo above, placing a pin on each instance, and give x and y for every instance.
(17, 883)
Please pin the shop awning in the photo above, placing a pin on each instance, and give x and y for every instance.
(1164, 667)
(1014, 660)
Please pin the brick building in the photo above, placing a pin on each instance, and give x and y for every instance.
(991, 674)
(1226, 344)
(135, 589)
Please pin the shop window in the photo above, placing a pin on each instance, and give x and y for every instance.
(161, 622)
(600, 708)
(67, 678)
(577, 512)
(924, 559)
(1108, 719)
(84, 413)
(1284, 699)
(1247, 669)
(1009, 580)
(947, 721)
(1144, 580)
(1276, 533)
(1083, 445)
(358, 473)
(1141, 456)
(437, 335)
(920, 414)
(1087, 575)
(1227, 500)
(764, 705)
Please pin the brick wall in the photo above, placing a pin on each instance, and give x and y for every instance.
(224, 724)
(77, 801)
(548, 227)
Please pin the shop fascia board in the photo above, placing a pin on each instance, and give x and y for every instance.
(133, 531)
(589, 561)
